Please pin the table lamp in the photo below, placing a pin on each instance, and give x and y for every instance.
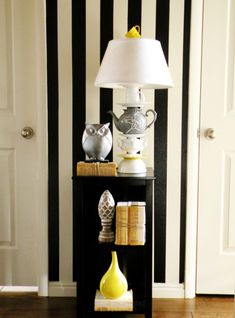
(133, 63)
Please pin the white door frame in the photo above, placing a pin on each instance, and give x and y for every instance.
(193, 147)
(42, 146)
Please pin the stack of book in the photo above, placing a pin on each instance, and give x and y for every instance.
(130, 223)
(96, 168)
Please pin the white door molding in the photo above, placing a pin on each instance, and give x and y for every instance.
(193, 147)
(42, 169)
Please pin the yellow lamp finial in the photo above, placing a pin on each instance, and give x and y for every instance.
(134, 32)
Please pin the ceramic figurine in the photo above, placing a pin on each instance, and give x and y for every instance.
(113, 284)
(133, 121)
(106, 209)
(97, 141)
(132, 144)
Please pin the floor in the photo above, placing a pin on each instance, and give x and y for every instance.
(24, 306)
(200, 307)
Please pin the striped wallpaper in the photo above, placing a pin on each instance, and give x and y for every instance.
(77, 36)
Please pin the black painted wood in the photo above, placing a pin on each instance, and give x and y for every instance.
(79, 100)
(106, 34)
(160, 150)
(53, 142)
(134, 13)
(94, 258)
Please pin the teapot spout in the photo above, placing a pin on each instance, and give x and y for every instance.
(115, 119)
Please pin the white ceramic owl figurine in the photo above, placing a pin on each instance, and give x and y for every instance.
(97, 141)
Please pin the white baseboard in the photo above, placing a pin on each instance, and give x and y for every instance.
(62, 289)
(168, 290)
(18, 289)
(68, 289)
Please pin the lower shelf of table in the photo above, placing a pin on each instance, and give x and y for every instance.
(99, 314)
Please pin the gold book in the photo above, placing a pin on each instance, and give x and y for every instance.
(121, 236)
(122, 212)
(136, 213)
(96, 168)
(136, 235)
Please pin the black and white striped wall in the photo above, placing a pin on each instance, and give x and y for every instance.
(77, 36)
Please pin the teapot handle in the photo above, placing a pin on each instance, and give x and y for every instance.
(154, 116)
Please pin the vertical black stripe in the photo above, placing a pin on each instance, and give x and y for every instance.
(184, 139)
(79, 100)
(160, 151)
(106, 34)
(134, 13)
(53, 144)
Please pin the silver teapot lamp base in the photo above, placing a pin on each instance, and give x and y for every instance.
(132, 165)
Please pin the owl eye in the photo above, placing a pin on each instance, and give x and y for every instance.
(101, 131)
(91, 131)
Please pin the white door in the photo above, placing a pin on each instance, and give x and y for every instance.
(216, 219)
(22, 104)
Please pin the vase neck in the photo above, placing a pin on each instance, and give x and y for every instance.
(114, 259)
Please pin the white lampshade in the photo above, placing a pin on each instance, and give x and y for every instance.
(134, 63)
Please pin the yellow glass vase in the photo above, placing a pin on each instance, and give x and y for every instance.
(113, 284)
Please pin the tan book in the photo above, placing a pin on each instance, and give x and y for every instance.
(121, 236)
(96, 168)
(136, 223)
(122, 212)
(137, 213)
(123, 303)
(136, 234)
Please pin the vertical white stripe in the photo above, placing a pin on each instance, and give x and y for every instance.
(148, 31)
(120, 18)
(92, 59)
(176, 22)
(119, 31)
(65, 138)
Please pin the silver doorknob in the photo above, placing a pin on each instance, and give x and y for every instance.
(27, 132)
(210, 133)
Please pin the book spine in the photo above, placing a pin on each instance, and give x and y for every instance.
(136, 225)
(136, 235)
(121, 237)
(136, 215)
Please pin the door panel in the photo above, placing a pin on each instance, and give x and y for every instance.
(7, 197)
(216, 218)
(18, 156)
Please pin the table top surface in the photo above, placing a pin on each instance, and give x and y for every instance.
(148, 175)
